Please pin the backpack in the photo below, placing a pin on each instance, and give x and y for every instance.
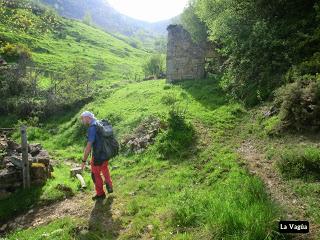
(109, 146)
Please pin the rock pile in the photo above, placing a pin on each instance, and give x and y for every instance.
(11, 165)
(143, 136)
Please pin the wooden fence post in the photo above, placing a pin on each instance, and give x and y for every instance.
(25, 162)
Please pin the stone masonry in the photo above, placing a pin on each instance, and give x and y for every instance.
(185, 59)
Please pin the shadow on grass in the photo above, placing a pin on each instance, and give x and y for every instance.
(19, 202)
(101, 223)
(206, 91)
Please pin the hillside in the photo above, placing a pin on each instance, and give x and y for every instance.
(68, 40)
(169, 192)
(102, 14)
(203, 189)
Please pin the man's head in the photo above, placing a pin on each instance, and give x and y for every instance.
(86, 117)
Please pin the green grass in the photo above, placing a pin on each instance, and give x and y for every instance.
(60, 229)
(205, 193)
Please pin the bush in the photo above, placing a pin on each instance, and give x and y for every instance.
(303, 164)
(155, 66)
(299, 103)
(169, 99)
(15, 52)
(272, 126)
(179, 138)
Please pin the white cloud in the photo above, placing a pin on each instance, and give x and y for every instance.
(149, 10)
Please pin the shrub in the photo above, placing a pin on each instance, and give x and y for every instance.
(272, 126)
(169, 99)
(166, 87)
(14, 52)
(299, 103)
(154, 66)
(299, 163)
(179, 138)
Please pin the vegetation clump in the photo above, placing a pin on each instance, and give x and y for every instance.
(300, 163)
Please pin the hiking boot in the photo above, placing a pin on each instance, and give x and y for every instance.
(97, 197)
(109, 189)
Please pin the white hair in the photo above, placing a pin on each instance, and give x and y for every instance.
(87, 114)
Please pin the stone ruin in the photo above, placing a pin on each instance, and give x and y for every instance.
(11, 165)
(185, 59)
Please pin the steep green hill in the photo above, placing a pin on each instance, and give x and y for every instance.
(56, 42)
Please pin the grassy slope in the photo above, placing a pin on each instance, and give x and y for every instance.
(207, 194)
(53, 53)
(81, 41)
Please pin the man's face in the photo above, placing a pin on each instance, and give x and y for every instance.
(85, 120)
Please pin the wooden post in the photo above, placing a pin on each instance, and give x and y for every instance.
(25, 162)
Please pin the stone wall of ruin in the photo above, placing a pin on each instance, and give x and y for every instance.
(185, 59)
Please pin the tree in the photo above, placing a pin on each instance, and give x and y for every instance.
(260, 41)
(193, 24)
(80, 76)
(155, 66)
(160, 45)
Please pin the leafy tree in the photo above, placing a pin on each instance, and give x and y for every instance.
(260, 41)
(160, 45)
(80, 78)
(155, 66)
(193, 24)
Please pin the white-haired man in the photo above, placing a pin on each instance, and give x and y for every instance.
(93, 141)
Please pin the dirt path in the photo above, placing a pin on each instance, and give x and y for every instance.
(295, 209)
(100, 215)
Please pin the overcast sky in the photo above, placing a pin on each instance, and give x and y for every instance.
(149, 10)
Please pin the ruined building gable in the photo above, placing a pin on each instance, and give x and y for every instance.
(185, 59)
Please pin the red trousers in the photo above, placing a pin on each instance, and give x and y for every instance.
(97, 179)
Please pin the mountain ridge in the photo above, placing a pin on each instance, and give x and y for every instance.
(103, 15)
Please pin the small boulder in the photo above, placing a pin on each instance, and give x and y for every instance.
(34, 149)
(3, 144)
(43, 157)
(12, 146)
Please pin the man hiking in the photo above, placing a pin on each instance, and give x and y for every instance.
(98, 162)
